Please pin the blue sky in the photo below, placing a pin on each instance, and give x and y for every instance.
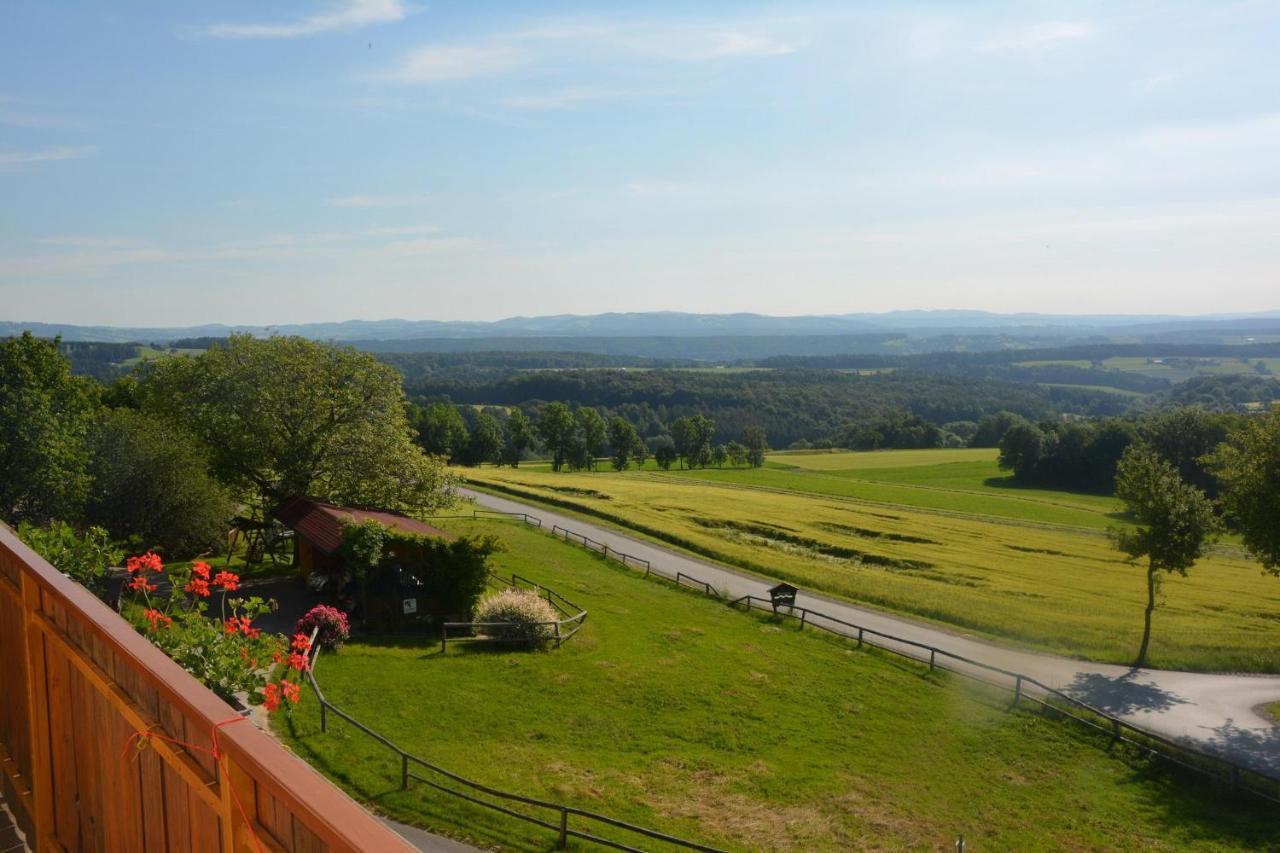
(180, 163)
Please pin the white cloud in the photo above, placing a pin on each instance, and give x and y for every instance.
(573, 96)
(650, 189)
(456, 62)
(13, 160)
(351, 15)
(409, 200)
(1041, 36)
(401, 230)
(733, 43)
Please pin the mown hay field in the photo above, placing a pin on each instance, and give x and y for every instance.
(679, 713)
(1046, 586)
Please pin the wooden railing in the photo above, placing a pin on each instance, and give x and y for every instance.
(107, 744)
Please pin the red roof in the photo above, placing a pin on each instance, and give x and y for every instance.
(321, 523)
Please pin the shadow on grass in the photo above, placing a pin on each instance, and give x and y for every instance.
(1123, 695)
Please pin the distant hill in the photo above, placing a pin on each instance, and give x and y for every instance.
(739, 335)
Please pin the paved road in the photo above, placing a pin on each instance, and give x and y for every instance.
(1216, 713)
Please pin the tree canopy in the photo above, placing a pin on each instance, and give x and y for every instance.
(45, 414)
(1247, 466)
(286, 416)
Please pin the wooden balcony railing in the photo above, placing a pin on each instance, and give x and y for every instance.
(77, 687)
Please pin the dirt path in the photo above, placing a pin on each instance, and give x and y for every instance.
(1215, 713)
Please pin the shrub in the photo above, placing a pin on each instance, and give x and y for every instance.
(332, 622)
(84, 557)
(523, 610)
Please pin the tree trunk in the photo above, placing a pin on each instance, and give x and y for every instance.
(1146, 628)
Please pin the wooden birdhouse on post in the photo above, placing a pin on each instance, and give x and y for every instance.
(783, 595)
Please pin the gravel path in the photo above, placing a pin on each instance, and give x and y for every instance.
(1215, 713)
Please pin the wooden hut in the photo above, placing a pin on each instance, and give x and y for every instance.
(317, 527)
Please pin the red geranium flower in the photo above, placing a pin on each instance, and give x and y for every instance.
(198, 586)
(149, 561)
(271, 697)
(156, 618)
(139, 584)
(291, 691)
(301, 642)
(298, 661)
(227, 580)
(200, 570)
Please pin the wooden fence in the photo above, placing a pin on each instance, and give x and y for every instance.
(570, 623)
(107, 744)
(1215, 768)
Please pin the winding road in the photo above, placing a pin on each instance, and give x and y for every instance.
(1215, 713)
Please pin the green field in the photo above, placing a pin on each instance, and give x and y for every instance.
(1173, 368)
(676, 712)
(964, 555)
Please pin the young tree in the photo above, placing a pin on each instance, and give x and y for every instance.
(623, 440)
(704, 429)
(1174, 519)
(519, 437)
(1248, 468)
(45, 414)
(486, 443)
(441, 431)
(639, 452)
(683, 438)
(664, 455)
(557, 429)
(737, 453)
(755, 444)
(718, 455)
(592, 434)
(152, 481)
(288, 416)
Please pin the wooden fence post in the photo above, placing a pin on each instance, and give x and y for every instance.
(563, 843)
(239, 807)
(37, 712)
(404, 771)
(1017, 689)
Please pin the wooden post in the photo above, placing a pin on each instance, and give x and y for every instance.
(404, 771)
(324, 719)
(239, 807)
(563, 843)
(804, 614)
(860, 638)
(932, 655)
(1017, 689)
(37, 712)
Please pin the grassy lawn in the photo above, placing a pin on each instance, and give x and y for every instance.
(676, 712)
(1054, 588)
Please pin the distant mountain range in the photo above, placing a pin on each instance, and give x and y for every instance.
(663, 324)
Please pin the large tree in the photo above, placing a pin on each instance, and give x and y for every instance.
(1247, 466)
(592, 435)
(624, 442)
(558, 430)
(520, 437)
(485, 444)
(754, 441)
(151, 482)
(1174, 522)
(288, 416)
(441, 430)
(45, 414)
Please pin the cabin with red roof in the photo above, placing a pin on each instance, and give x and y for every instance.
(317, 527)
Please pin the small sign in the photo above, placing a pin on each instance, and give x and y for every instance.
(783, 595)
(410, 606)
